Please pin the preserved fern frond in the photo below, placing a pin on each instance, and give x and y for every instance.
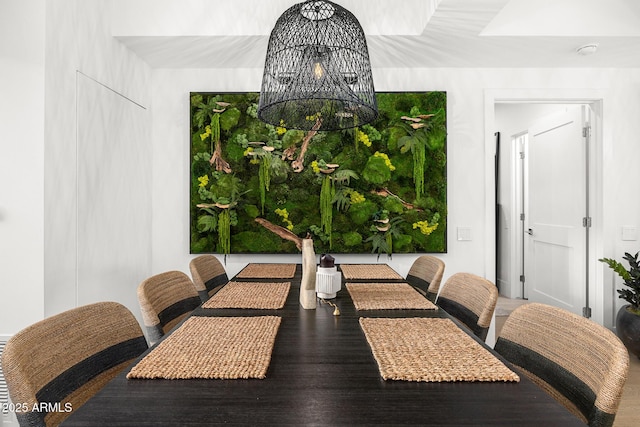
(224, 232)
(215, 130)
(265, 178)
(327, 192)
(419, 158)
(342, 199)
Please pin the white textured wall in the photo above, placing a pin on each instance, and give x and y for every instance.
(97, 161)
(621, 176)
(21, 163)
(114, 177)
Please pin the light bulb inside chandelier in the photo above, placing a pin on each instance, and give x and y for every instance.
(317, 72)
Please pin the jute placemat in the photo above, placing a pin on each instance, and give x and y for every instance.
(430, 350)
(267, 271)
(259, 295)
(387, 296)
(213, 348)
(368, 271)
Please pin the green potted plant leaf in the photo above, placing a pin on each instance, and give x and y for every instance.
(628, 318)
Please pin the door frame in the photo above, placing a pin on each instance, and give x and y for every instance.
(518, 200)
(601, 302)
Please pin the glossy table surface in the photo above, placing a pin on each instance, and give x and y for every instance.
(322, 372)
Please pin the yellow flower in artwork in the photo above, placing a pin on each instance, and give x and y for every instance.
(356, 197)
(314, 166)
(424, 227)
(281, 130)
(254, 161)
(247, 151)
(386, 160)
(363, 137)
(284, 214)
(207, 132)
(204, 180)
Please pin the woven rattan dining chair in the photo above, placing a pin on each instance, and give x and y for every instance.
(165, 299)
(425, 274)
(471, 299)
(208, 275)
(580, 363)
(54, 366)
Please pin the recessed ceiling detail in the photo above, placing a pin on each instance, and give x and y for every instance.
(175, 18)
(207, 34)
(567, 18)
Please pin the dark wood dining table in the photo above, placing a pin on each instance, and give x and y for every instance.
(322, 372)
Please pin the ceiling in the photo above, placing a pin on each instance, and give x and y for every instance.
(400, 33)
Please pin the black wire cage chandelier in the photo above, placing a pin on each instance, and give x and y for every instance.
(317, 74)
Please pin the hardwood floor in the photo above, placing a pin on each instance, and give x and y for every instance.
(629, 411)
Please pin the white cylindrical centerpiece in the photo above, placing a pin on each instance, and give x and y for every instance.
(328, 279)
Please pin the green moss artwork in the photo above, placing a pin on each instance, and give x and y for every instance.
(378, 188)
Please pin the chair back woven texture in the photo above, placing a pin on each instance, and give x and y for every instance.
(208, 275)
(579, 362)
(426, 274)
(165, 299)
(57, 364)
(471, 299)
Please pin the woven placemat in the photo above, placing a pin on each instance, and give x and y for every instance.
(430, 350)
(267, 271)
(387, 296)
(214, 348)
(368, 271)
(258, 295)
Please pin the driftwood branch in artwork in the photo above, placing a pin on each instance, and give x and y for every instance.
(308, 281)
(280, 231)
(386, 193)
(217, 161)
(298, 164)
(289, 153)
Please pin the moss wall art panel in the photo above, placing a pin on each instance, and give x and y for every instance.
(378, 188)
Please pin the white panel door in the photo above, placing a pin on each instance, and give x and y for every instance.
(555, 241)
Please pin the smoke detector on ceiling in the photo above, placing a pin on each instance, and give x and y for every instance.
(587, 49)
